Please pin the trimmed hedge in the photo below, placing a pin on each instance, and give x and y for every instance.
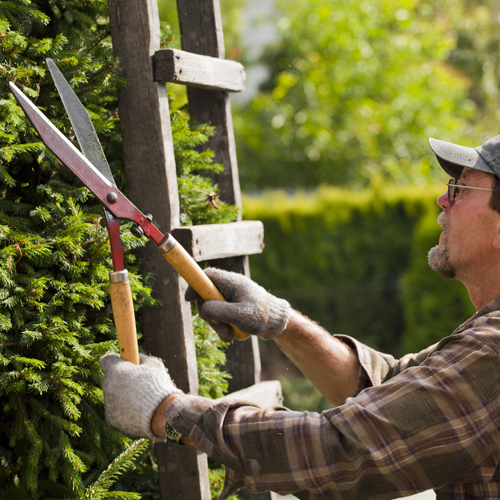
(356, 262)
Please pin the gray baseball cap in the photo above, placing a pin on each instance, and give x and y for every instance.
(454, 158)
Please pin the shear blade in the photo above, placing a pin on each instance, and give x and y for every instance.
(82, 123)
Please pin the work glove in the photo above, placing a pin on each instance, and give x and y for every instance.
(132, 393)
(249, 307)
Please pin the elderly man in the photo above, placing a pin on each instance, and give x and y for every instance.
(428, 420)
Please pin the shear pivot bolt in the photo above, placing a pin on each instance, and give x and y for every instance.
(137, 231)
(112, 197)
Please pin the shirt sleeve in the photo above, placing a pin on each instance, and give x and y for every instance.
(376, 367)
(423, 428)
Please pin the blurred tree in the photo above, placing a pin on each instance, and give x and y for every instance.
(356, 88)
(477, 55)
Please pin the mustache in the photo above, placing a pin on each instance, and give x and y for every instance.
(443, 221)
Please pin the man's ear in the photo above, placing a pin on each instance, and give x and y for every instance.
(496, 239)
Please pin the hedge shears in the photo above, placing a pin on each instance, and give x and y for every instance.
(93, 170)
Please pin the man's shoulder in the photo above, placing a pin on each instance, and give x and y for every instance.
(487, 329)
(488, 317)
(487, 320)
(481, 329)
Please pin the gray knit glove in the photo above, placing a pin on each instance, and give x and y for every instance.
(132, 393)
(249, 307)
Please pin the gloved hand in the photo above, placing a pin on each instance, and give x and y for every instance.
(249, 307)
(132, 393)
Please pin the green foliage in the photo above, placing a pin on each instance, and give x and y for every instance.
(199, 198)
(210, 357)
(355, 90)
(55, 313)
(300, 395)
(476, 54)
(100, 488)
(216, 476)
(356, 262)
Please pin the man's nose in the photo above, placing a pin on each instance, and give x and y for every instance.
(443, 201)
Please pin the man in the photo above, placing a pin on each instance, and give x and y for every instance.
(428, 420)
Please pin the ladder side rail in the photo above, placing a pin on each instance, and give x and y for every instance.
(201, 33)
(152, 185)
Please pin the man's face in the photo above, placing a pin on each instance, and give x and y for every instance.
(469, 227)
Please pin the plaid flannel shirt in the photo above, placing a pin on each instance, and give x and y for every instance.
(427, 421)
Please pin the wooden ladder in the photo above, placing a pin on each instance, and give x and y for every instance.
(152, 186)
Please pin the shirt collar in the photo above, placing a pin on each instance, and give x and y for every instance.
(493, 306)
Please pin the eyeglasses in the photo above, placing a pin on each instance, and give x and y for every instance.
(454, 188)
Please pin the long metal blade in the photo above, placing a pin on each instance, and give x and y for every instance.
(82, 124)
(92, 150)
(107, 193)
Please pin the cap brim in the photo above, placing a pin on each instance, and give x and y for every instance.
(453, 158)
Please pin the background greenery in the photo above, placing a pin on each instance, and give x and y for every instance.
(356, 88)
(356, 262)
(353, 92)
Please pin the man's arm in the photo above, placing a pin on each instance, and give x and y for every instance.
(394, 439)
(330, 364)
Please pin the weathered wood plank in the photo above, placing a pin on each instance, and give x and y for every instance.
(265, 394)
(177, 482)
(149, 160)
(219, 241)
(212, 73)
(243, 363)
(200, 22)
(152, 186)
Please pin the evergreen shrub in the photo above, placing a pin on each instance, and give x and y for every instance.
(55, 313)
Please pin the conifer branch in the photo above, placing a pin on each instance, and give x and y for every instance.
(121, 463)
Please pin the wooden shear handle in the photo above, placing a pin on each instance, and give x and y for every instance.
(187, 267)
(123, 313)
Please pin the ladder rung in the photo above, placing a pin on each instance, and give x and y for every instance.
(220, 241)
(178, 66)
(264, 394)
